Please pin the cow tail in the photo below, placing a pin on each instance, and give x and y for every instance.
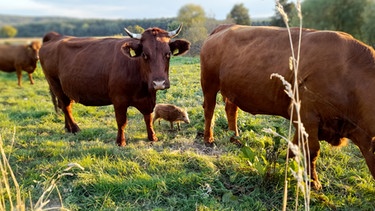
(54, 101)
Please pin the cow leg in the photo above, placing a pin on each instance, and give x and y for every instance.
(231, 111)
(367, 148)
(171, 123)
(31, 78)
(313, 149)
(370, 160)
(19, 76)
(209, 104)
(70, 125)
(122, 120)
(210, 86)
(65, 104)
(150, 130)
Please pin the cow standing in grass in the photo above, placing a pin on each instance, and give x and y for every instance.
(120, 71)
(336, 83)
(15, 58)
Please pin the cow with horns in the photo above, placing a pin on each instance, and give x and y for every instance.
(120, 71)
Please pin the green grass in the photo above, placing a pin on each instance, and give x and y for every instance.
(176, 173)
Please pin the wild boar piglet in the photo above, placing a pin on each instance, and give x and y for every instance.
(171, 113)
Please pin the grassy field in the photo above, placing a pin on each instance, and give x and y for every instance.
(176, 173)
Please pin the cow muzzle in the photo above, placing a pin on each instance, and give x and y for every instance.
(160, 85)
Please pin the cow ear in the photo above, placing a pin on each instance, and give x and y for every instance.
(179, 47)
(131, 49)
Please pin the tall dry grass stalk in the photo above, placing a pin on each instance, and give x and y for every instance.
(300, 151)
(10, 192)
(7, 181)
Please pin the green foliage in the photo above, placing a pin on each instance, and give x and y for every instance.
(191, 15)
(136, 29)
(8, 31)
(368, 27)
(85, 27)
(341, 15)
(176, 173)
(194, 18)
(289, 9)
(240, 14)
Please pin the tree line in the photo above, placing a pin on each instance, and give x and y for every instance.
(86, 27)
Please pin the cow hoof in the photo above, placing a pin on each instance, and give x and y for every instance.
(235, 141)
(121, 144)
(153, 138)
(73, 128)
(210, 144)
(316, 185)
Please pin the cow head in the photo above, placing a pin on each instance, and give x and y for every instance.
(154, 49)
(33, 50)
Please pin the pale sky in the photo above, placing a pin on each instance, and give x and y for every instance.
(134, 9)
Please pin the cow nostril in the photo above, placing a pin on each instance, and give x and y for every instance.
(159, 84)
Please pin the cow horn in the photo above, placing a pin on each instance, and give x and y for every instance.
(175, 32)
(133, 35)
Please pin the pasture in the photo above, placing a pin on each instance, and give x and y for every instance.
(176, 173)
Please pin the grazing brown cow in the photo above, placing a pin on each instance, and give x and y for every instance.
(335, 82)
(19, 57)
(120, 71)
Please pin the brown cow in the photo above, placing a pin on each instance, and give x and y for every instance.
(19, 57)
(120, 71)
(335, 79)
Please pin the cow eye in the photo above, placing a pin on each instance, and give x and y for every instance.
(144, 56)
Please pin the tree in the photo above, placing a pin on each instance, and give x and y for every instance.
(368, 27)
(191, 14)
(136, 29)
(289, 9)
(240, 14)
(8, 31)
(194, 18)
(341, 15)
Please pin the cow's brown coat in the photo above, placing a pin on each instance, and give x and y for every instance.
(336, 80)
(15, 58)
(120, 71)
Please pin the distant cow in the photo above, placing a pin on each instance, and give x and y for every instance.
(171, 113)
(120, 71)
(336, 80)
(15, 58)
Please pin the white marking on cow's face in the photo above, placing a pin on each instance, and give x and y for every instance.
(159, 85)
(163, 39)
